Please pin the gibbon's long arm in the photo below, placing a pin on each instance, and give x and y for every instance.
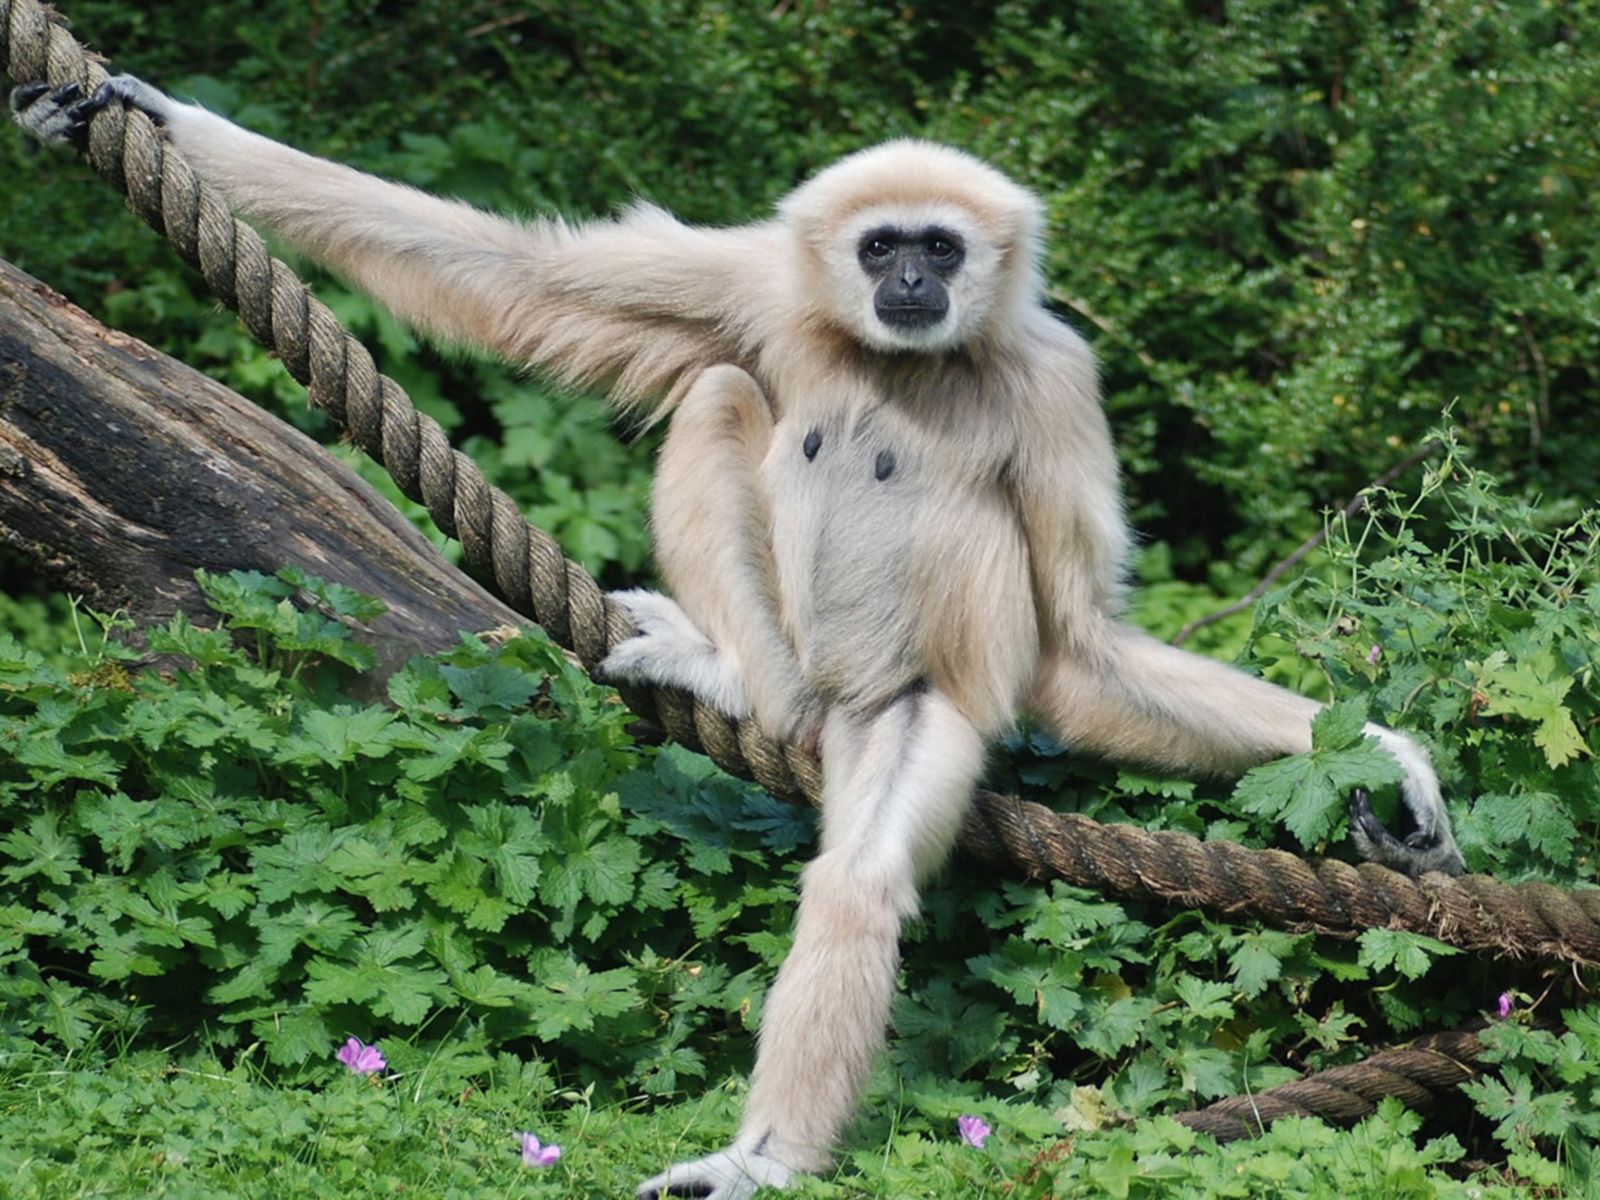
(1104, 686)
(720, 634)
(637, 305)
(1121, 693)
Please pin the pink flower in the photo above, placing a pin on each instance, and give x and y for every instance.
(362, 1059)
(974, 1131)
(535, 1155)
(1373, 655)
(1504, 1006)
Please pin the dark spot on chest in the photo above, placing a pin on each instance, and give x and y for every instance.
(883, 465)
(812, 444)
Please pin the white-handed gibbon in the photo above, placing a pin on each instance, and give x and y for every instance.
(887, 508)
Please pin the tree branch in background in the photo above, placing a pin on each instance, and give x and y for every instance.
(122, 471)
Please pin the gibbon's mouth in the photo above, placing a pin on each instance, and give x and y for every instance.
(911, 316)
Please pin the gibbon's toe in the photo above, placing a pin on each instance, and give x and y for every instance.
(730, 1174)
(680, 1189)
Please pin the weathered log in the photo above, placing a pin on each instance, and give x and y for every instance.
(122, 471)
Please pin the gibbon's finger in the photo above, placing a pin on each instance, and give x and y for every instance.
(1421, 851)
(25, 94)
(134, 92)
(50, 115)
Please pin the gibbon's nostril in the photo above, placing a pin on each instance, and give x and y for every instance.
(812, 444)
(883, 465)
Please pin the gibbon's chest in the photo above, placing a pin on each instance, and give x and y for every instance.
(865, 501)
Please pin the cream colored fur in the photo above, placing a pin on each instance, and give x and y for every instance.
(904, 616)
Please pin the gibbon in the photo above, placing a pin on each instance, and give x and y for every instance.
(887, 509)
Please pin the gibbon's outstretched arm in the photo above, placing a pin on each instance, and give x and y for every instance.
(1121, 693)
(636, 305)
(1106, 687)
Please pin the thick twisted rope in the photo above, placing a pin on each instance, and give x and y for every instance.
(526, 568)
(1344, 1095)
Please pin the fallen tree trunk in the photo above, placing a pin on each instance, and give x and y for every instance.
(122, 471)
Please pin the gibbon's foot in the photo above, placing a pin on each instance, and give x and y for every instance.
(670, 649)
(731, 1174)
(1420, 852)
(62, 114)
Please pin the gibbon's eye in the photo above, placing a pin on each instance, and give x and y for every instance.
(877, 249)
(942, 249)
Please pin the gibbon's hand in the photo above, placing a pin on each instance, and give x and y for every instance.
(61, 115)
(1429, 845)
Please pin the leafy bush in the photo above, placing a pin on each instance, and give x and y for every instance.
(1293, 231)
(482, 866)
(239, 845)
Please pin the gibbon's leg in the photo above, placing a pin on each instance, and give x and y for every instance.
(897, 784)
(1131, 696)
(720, 634)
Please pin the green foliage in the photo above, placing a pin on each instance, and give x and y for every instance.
(1293, 231)
(1294, 234)
(240, 844)
(481, 871)
(1469, 617)
(1545, 1101)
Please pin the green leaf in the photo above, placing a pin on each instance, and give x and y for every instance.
(380, 976)
(1411, 954)
(380, 873)
(572, 997)
(1340, 725)
(1048, 982)
(1533, 689)
(1307, 792)
(41, 849)
(340, 736)
(493, 687)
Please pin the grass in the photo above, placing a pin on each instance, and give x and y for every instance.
(149, 1124)
(184, 1127)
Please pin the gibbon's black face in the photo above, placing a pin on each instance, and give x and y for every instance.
(911, 269)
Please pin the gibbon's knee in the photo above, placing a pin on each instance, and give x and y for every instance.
(713, 543)
(897, 784)
(726, 400)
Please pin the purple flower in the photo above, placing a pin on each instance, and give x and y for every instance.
(974, 1131)
(535, 1155)
(362, 1059)
(1504, 1006)
(1374, 654)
